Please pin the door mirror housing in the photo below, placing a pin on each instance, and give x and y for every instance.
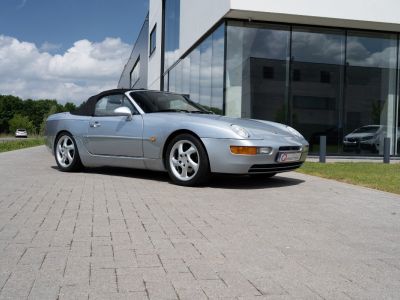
(124, 112)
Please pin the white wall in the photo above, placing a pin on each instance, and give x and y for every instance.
(197, 17)
(154, 67)
(363, 14)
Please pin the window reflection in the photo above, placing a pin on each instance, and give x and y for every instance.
(201, 73)
(217, 71)
(370, 93)
(205, 72)
(171, 31)
(317, 76)
(257, 68)
(195, 75)
(186, 76)
(135, 73)
(172, 77)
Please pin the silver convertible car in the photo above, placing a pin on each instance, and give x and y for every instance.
(168, 132)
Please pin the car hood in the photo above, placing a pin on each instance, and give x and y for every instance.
(359, 135)
(258, 129)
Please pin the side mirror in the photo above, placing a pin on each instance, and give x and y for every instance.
(124, 112)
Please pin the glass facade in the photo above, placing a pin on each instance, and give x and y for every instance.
(370, 95)
(342, 84)
(338, 83)
(135, 73)
(171, 31)
(317, 70)
(200, 74)
(256, 71)
(153, 40)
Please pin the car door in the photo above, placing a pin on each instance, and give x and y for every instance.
(115, 135)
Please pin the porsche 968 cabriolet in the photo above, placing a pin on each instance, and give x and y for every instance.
(165, 131)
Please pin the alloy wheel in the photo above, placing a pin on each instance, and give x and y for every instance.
(184, 160)
(65, 151)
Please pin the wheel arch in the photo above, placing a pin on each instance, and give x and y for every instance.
(175, 134)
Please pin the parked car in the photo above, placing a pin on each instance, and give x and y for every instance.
(168, 132)
(369, 137)
(21, 133)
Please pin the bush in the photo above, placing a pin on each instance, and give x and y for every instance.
(20, 121)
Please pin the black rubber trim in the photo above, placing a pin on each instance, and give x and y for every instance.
(271, 168)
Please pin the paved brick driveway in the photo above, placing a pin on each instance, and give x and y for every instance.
(131, 234)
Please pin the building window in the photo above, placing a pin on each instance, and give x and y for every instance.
(153, 39)
(201, 73)
(254, 53)
(135, 73)
(318, 65)
(370, 89)
(296, 75)
(268, 72)
(325, 77)
(171, 32)
(341, 83)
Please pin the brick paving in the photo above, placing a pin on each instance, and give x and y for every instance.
(129, 234)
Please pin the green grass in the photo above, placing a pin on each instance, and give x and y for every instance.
(384, 177)
(20, 144)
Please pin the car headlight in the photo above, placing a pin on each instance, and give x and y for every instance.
(240, 131)
(294, 131)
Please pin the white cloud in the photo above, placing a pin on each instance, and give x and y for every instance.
(48, 47)
(83, 70)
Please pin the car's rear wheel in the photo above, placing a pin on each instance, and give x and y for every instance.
(66, 153)
(187, 161)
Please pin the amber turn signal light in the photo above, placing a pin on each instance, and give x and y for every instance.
(244, 150)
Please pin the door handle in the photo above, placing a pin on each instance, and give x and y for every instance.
(94, 124)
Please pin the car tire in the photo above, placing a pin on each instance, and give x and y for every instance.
(66, 153)
(186, 161)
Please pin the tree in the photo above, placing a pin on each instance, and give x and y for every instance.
(20, 121)
(51, 111)
(69, 106)
(9, 105)
(35, 110)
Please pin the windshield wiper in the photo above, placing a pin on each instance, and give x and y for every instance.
(201, 112)
(174, 110)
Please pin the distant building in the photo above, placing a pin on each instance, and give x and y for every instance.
(324, 67)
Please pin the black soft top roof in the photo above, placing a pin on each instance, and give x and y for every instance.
(87, 109)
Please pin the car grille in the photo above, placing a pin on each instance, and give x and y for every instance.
(271, 168)
(290, 148)
(352, 140)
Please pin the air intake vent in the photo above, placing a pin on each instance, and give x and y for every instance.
(275, 167)
(290, 148)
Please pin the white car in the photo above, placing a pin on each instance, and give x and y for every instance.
(368, 137)
(21, 133)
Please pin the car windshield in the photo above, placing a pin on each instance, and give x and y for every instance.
(367, 129)
(155, 102)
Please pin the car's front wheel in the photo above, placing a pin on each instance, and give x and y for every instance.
(66, 153)
(187, 161)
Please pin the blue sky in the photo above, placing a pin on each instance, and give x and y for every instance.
(65, 49)
(62, 22)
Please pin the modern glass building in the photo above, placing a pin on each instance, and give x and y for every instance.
(307, 64)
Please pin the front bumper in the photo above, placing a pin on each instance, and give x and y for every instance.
(223, 161)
